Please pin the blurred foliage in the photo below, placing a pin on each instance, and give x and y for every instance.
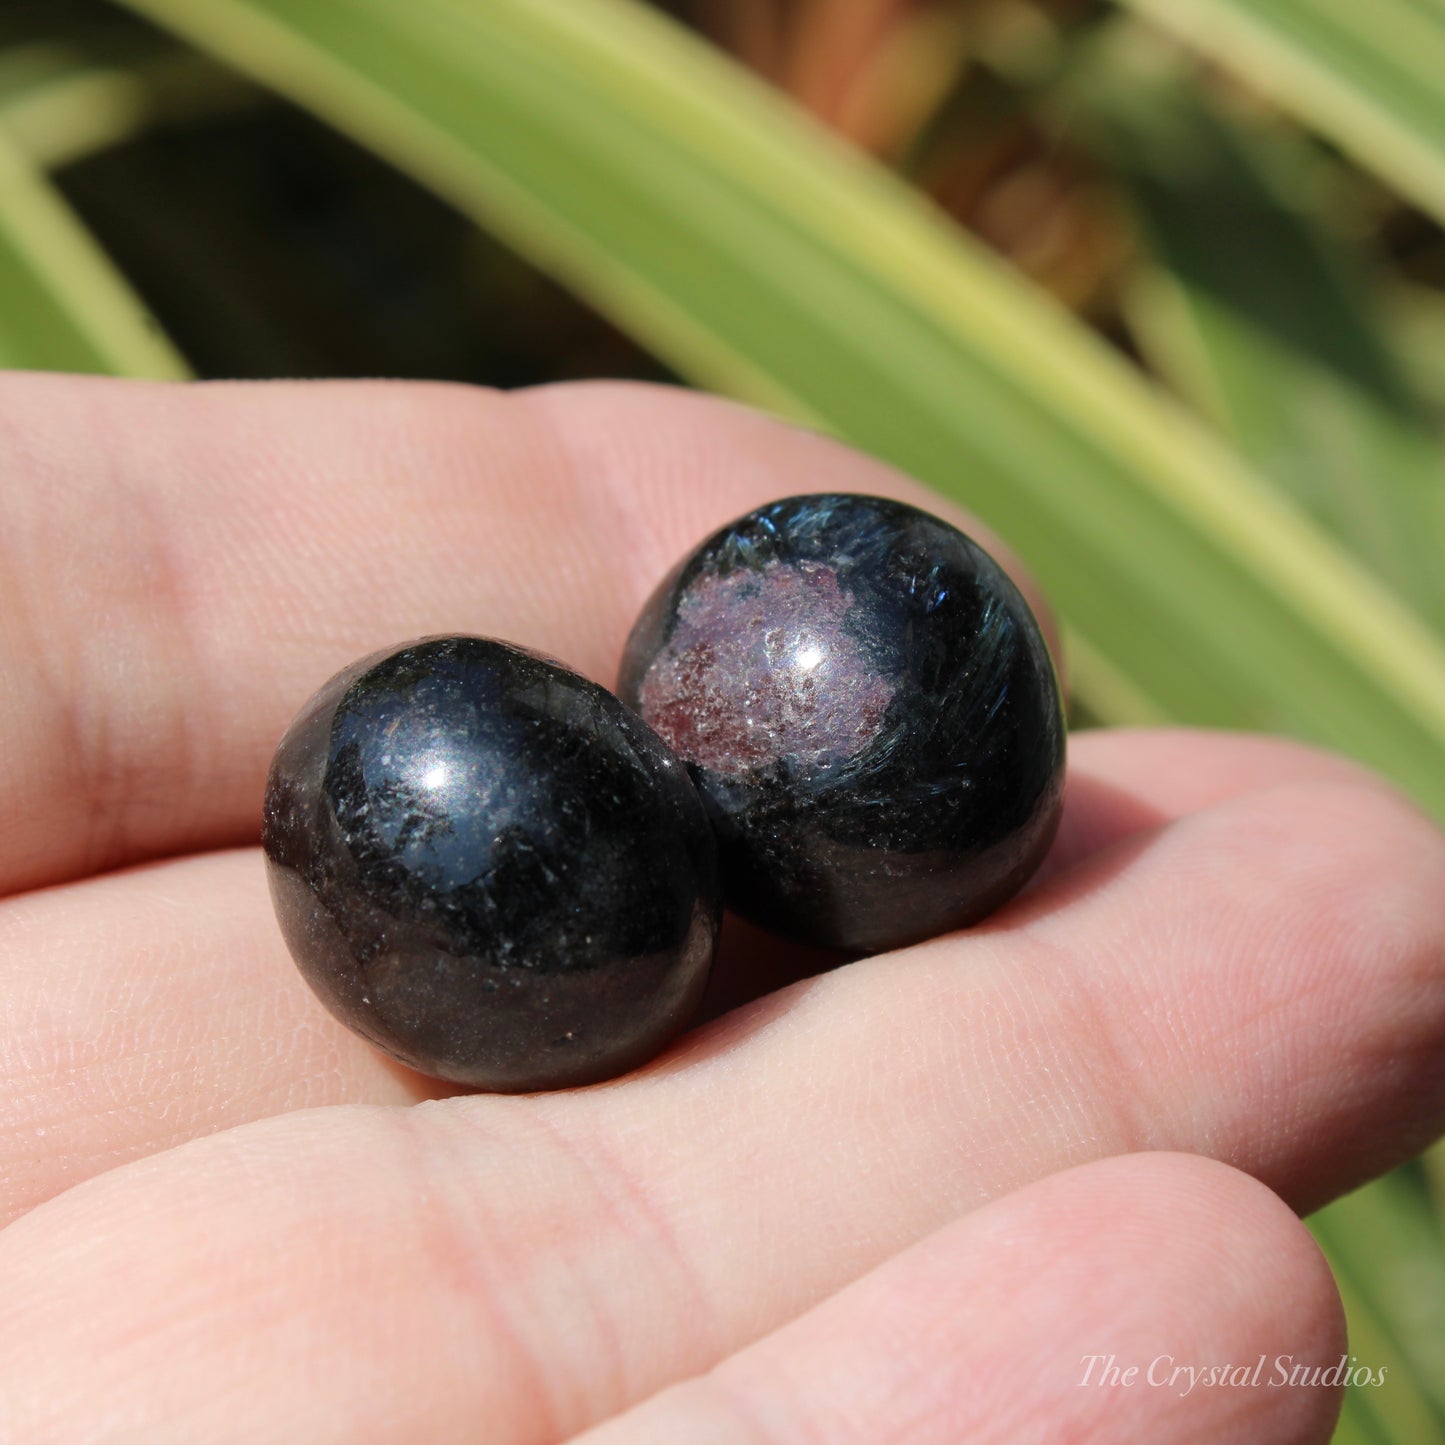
(1252, 225)
(269, 244)
(302, 255)
(962, 96)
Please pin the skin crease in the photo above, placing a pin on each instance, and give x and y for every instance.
(1234, 950)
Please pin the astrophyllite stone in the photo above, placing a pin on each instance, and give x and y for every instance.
(869, 710)
(489, 868)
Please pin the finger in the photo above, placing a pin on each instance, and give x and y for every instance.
(1121, 782)
(1263, 982)
(144, 1008)
(1157, 1298)
(150, 1007)
(1124, 781)
(183, 567)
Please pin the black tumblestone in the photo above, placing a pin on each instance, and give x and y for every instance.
(489, 868)
(869, 710)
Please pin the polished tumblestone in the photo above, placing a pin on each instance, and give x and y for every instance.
(870, 713)
(489, 868)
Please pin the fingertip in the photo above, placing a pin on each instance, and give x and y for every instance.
(1152, 1298)
(1213, 1311)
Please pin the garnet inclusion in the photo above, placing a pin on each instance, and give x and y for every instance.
(760, 661)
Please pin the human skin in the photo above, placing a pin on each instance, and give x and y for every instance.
(899, 1201)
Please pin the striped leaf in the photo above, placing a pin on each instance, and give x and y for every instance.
(63, 305)
(1367, 73)
(705, 216)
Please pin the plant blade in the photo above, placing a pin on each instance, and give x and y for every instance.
(707, 218)
(65, 306)
(1365, 74)
(1385, 1249)
(1262, 320)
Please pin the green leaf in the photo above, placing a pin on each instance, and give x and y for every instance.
(1386, 1252)
(1264, 321)
(1358, 1423)
(1366, 73)
(708, 218)
(1385, 1414)
(63, 306)
(92, 87)
(1416, 316)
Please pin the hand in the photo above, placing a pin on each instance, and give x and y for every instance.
(903, 1201)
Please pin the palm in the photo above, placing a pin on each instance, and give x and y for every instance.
(1235, 953)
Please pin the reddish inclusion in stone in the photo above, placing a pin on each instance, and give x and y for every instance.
(759, 668)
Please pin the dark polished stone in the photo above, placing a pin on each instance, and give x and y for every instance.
(870, 713)
(489, 868)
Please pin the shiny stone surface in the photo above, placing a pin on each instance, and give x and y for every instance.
(869, 710)
(489, 868)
